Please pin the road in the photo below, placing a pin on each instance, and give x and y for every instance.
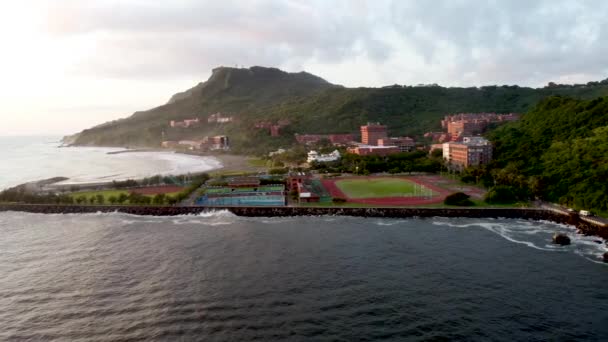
(560, 209)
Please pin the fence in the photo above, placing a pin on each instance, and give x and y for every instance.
(264, 195)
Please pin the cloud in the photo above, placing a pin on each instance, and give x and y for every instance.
(516, 41)
(139, 39)
(452, 42)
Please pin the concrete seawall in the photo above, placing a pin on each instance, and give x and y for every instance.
(585, 227)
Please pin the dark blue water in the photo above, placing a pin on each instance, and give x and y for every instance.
(115, 277)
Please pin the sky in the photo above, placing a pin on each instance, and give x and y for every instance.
(68, 65)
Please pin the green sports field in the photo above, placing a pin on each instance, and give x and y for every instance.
(377, 187)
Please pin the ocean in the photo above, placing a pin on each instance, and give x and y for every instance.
(26, 159)
(219, 277)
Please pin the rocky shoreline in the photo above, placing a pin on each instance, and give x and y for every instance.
(583, 226)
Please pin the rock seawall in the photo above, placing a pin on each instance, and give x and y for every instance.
(584, 227)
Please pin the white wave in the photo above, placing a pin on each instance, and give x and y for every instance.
(537, 234)
(386, 223)
(217, 213)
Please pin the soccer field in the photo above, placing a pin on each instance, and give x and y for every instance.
(379, 187)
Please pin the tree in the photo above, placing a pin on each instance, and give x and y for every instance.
(145, 200)
(501, 194)
(278, 171)
(136, 198)
(437, 153)
(122, 198)
(159, 199)
(100, 199)
(458, 198)
(113, 199)
(171, 200)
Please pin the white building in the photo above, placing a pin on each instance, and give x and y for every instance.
(322, 158)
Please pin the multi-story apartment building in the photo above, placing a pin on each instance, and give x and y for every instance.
(372, 132)
(473, 123)
(472, 151)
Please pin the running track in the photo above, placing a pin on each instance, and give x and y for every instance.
(330, 185)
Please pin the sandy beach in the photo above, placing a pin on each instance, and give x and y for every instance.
(230, 163)
(234, 163)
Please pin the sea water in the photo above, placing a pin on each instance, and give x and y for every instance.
(25, 159)
(219, 277)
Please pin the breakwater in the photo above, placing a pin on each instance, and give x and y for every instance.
(584, 226)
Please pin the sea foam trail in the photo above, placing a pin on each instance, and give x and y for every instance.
(538, 235)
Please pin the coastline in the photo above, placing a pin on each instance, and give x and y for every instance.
(31, 161)
(583, 226)
(228, 163)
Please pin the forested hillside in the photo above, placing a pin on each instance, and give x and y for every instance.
(313, 105)
(558, 151)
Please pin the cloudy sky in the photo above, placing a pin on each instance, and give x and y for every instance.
(67, 65)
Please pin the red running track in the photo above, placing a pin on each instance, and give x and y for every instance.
(330, 185)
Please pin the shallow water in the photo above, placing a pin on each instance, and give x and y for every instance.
(25, 159)
(218, 277)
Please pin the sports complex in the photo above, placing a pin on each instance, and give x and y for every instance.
(385, 190)
(263, 195)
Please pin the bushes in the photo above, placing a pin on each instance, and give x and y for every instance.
(278, 171)
(501, 194)
(129, 183)
(338, 200)
(458, 198)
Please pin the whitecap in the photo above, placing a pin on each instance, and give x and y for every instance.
(531, 233)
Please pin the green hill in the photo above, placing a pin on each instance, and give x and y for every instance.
(312, 105)
(558, 152)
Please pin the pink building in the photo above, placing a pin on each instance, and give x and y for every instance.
(273, 128)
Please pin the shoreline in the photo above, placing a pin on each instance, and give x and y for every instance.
(64, 183)
(228, 163)
(583, 226)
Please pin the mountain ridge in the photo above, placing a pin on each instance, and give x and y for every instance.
(312, 105)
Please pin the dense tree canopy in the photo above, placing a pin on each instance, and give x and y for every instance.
(559, 152)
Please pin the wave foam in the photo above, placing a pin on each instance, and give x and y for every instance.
(537, 234)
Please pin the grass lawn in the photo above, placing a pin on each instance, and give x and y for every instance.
(105, 193)
(257, 162)
(109, 193)
(377, 187)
